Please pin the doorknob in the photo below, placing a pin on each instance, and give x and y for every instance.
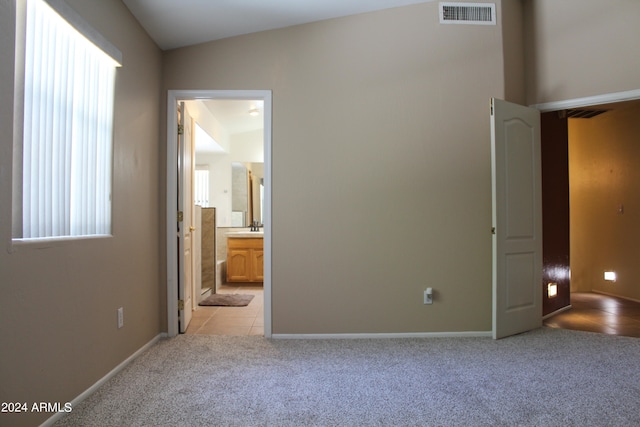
(192, 228)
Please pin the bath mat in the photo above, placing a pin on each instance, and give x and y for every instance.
(227, 300)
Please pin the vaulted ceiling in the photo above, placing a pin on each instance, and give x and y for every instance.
(174, 24)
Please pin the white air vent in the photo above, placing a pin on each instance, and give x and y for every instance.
(468, 13)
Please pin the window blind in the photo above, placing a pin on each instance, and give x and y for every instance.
(67, 133)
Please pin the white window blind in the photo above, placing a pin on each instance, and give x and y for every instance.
(67, 130)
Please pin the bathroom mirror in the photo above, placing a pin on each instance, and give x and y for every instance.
(229, 156)
(247, 184)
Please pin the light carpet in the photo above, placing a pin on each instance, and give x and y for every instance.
(547, 377)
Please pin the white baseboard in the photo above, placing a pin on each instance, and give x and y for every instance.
(558, 311)
(104, 379)
(465, 334)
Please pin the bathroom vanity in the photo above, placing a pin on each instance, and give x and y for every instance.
(245, 257)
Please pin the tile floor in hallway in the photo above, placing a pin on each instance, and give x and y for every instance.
(247, 320)
(595, 312)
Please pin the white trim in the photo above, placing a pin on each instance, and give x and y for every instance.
(88, 392)
(608, 98)
(18, 244)
(173, 96)
(467, 334)
(558, 311)
(76, 21)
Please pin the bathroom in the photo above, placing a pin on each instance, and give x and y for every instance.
(229, 166)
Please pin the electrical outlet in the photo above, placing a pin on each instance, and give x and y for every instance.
(428, 296)
(120, 317)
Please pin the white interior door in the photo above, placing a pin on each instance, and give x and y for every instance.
(517, 218)
(186, 227)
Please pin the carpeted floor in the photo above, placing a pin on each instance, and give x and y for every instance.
(547, 377)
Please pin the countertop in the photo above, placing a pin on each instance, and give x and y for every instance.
(246, 234)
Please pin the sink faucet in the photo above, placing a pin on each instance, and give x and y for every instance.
(255, 226)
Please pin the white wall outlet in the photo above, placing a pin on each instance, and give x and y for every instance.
(428, 296)
(120, 317)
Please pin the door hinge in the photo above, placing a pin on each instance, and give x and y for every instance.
(180, 216)
(180, 129)
(493, 230)
(180, 304)
(492, 107)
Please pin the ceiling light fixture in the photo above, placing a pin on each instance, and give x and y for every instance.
(254, 112)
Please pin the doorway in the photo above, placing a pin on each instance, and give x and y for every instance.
(173, 254)
(557, 238)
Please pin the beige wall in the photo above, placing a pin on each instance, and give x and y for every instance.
(58, 317)
(381, 165)
(513, 39)
(381, 176)
(603, 163)
(580, 48)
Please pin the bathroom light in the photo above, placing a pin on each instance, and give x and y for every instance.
(610, 276)
(552, 290)
(253, 111)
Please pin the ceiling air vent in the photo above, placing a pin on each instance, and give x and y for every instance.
(468, 13)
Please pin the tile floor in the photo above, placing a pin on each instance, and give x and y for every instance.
(247, 320)
(590, 312)
(599, 313)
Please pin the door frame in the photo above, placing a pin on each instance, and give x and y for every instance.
(607, 98)
(589, 101)
(173, 97)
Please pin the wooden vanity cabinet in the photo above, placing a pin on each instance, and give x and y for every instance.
(245, 260)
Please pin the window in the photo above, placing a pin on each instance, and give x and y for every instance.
(202, 186)
(67, 126)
